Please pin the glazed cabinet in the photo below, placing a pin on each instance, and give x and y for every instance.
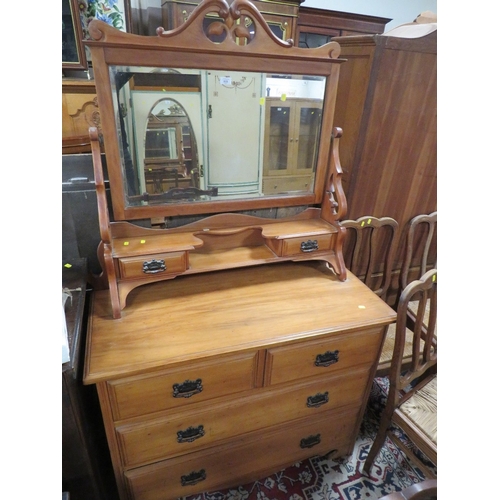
(290, 146)
(281, 16)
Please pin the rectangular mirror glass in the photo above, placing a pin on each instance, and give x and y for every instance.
(197, 135)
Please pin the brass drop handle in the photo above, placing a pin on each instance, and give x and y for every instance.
(193, 477)
(190, 434)
(310, 441)
(187, 388)
(317, 400)
(326, 359)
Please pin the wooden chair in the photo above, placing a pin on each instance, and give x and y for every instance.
(421, 245)
(412, 400)
(425, 490)
(369, 250)
(420, 256)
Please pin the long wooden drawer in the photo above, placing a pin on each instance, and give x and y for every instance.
(146, 394)
(250, 458)
(177, 433)
(321, 357)
(153, 265)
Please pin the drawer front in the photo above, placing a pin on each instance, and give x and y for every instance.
(307, 245)
(247, 460)
(285, 184)
(142, 395)
(284, 364)
(175, 434)
(152, 265)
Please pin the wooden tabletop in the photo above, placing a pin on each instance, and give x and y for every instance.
(217, 313)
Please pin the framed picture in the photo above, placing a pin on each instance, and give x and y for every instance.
(116, 13)
(76, 16)
(73, 51)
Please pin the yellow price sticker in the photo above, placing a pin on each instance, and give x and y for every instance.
(143, 241)
(126, 243)
(283, 97)
(68, 265)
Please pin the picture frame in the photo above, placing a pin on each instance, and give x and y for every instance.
(73, 51)
(76, 16)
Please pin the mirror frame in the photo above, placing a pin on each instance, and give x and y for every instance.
(189, 47)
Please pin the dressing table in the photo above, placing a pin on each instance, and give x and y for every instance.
(231, 346)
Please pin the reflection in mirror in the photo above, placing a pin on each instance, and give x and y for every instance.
(170, 153)
(205, 135)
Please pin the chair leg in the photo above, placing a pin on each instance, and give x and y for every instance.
(385, 422)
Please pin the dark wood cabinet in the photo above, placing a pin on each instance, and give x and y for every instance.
(86, 464)
(386, 106)
(281, 16)
(316, 27)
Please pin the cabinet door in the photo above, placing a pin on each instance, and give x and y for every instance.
(307, 122)
(292, 136)
(278, 145)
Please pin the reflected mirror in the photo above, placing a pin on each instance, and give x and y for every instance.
(205, 135)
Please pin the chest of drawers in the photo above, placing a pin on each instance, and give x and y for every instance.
(212, 380)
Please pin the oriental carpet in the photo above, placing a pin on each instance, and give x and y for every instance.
(320, 478)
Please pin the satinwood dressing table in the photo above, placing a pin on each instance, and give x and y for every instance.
(231, 346)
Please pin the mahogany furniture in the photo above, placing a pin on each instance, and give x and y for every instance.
(280, 15)
(316, 27)
(220, 378)
(412, 400)
(254, 65)
(386, 106)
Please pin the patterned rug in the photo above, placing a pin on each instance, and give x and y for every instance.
(320, 478)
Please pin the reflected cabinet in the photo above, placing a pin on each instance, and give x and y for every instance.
(290, 144)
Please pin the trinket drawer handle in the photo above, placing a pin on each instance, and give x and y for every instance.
(187, 388)
(327, 359)
(318, 400)
(193, 478)
(310, 441)
(153, 266)
(309, 246)
(190, 434)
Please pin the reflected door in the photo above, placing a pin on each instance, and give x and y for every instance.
(308, 116)
(290, 149)
(234, 131)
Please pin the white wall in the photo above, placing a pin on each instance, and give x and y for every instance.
(400, 11)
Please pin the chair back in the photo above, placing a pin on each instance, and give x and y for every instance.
(412, 400)
(368, 250)
(421, 247)
(421, 293)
